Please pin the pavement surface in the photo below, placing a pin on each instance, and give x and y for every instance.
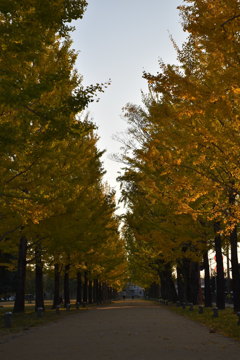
(124, 330)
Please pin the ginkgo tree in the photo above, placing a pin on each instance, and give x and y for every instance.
(51, 171)
(160, 237)
(191, 125)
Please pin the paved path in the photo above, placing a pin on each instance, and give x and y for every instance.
(130, 330)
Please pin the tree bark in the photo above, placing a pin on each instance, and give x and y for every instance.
(19, 304)
(104, 292)
(186, 277)
(95, 291)
(39, 296)
(194, 282)
(56, 295)
(90, 292)
(168, 291)
(228, 271)
(207, 286)
(85, 288)
(235, 270)
(110, 293)
(79, 288)
(66, 285)
(100, 297)
(220, 299)
(234, 260)
(163, 287)
(180, 284)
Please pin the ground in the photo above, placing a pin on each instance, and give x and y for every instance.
(124, 330)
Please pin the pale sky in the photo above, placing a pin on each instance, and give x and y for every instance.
(118, 40)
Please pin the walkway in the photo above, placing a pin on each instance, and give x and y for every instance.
(130, 330)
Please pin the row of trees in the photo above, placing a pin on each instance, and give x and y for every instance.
(182, 179)
(55, 211)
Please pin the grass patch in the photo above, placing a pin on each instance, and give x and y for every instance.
(29, 319)
(225, 323)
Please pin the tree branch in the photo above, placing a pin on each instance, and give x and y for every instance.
(2, 237)
(229, 20)
(21, 172)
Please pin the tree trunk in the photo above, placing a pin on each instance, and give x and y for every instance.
(168, 291)
(220, 299)
(194, 282)
(90, 292)
(19, 304)
(66, 285)
(99, 291)
(180, 284)
(110, 293)
(39, 296)
(228, 271)
(79, 288)
(95, 291)
(104, 297)
(235, 270)
(85, 288)
(163, 286)
(207, 287)
(234, 260)
(186, 277)
(56, 295)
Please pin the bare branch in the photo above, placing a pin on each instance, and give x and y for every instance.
(229, 20)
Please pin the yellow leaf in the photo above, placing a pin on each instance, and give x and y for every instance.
(236, 91)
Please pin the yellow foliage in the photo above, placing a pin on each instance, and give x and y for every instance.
(236, 91)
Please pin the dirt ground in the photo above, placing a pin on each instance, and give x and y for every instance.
(124, 330)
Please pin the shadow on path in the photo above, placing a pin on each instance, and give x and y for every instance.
(124, 330)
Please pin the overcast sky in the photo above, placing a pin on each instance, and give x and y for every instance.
(118, 40)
